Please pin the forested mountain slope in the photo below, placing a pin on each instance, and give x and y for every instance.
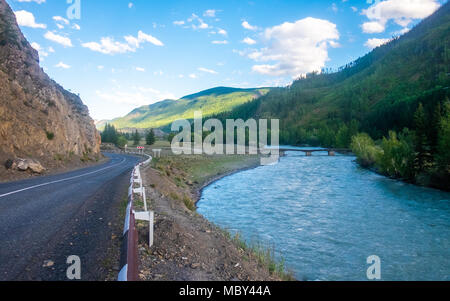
(212, 101)
(391, 106)
(380, 91)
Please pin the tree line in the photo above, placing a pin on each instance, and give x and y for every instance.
(111, 135)
(420, 155)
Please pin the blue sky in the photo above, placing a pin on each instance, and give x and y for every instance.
(123, 54)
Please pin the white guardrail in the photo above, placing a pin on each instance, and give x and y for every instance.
(129, 260)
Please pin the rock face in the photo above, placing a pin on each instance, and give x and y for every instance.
(38, 118)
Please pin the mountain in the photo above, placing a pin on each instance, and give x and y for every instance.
(376, 93)
(212, 101)
(38, 118)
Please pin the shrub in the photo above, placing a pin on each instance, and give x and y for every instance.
(365, 149)
(122, 141)
(397, 159)
(50, 135)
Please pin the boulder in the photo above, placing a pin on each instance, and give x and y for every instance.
(36, 167)
(20, 164)
(24, 165)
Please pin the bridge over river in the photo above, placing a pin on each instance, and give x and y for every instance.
(309, 152)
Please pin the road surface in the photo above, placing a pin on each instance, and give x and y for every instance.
(45, 220)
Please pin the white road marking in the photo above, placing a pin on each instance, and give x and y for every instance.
(59, 181)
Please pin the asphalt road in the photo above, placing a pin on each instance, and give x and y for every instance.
(51, 218)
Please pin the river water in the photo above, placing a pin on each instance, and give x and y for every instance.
(325, 216)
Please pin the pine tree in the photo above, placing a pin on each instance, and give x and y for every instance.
(422, 145)
(109, 134)
(443, 149)
(136, 138)
(435, 127)
(150, 137)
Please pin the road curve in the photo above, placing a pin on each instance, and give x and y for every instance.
(54, 217)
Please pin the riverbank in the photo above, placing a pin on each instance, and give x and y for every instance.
(187, 246)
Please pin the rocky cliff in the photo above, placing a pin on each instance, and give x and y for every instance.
(38, 118)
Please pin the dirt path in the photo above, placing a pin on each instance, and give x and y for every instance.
(187, 246)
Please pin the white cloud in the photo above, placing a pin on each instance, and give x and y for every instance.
(402, 31)
(193, 75)
(246, 25)
(224, 42)
(249, 41)
(25, 18)
(373, 27)
(179, 23)
(36, 46)
(140, 69)
(203, 26)
(130, 5)
(201, 23)
(65, 41)
(334, 8)
(374, 43)
(295, 48)
(62, 65)
(211, 13)
(222, 32)
(39, 49)
(142, 38)
(61, 20)
(134, 97)
(403, 12)
(76, 26)
(107, 45)
(207, 70)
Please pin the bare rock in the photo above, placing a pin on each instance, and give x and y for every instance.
(25, 164)
(36, 167)
(37, 116)
(22, 165)
(48, 264)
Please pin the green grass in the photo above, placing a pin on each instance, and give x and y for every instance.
(201, 168)
(264, 255)
(189, 203)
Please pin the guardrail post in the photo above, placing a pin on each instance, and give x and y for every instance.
(144, 198)
(152, 222)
